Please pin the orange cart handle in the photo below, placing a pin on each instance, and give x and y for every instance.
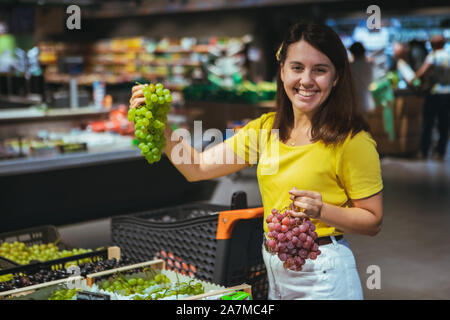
(227, 220)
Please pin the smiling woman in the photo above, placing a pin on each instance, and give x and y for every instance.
(325, 165)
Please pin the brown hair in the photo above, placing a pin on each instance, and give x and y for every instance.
(437, 42)
(339, 115)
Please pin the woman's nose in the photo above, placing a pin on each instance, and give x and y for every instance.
(306, 80)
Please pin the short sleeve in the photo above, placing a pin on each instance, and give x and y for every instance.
(358, 167)
(245, 143)
(430, 58)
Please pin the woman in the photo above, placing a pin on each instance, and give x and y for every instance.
(325, 163)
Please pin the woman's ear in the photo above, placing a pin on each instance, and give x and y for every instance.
(335, 82)
(281, 72)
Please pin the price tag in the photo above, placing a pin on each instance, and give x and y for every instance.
(85, 295)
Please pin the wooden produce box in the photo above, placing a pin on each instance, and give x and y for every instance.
(211, 290)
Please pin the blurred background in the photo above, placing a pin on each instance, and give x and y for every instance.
(68, 156)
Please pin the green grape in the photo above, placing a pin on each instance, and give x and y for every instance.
(159, 91)
(145, 122)
(159, 86)
(148, 114)
(151, 87)
(154, 97)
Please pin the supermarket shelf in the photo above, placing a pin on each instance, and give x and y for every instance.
(9, 116)
(66, 161)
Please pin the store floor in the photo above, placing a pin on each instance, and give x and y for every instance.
(412, 250)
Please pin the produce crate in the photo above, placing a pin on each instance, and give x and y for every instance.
(6, 263)
(43, 291)
(37, 235)
(42, 235)
(109, 253)
(208, 242)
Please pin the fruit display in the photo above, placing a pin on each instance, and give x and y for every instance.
(291, 238)
(150, 121)
(150, 286)
(142, 281)
(45, 275)
(20, 253)
(63, 294)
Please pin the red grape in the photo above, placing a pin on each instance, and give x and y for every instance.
(271, 226)
(281, 237)
(278, 227)
(302, 237)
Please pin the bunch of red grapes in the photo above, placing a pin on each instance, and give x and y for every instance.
(292, 239)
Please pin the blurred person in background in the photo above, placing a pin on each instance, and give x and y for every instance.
(417, 53)
(7, 46)
(362, 71)
(437, 101)
(401, 55)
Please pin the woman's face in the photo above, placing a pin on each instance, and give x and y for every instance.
(308, 76)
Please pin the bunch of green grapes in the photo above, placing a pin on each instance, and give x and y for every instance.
(63, 294)
(131, 286)
(6, 277)
(20, 253)
(183, 288)
(150, 121)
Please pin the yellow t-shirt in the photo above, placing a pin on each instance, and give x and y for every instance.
(349, 171)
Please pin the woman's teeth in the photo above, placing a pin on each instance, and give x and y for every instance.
(305, 93)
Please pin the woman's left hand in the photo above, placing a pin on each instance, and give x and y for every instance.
(309, 202)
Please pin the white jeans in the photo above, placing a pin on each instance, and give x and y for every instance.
(333, 275)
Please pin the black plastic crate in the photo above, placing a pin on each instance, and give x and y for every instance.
(42, 235)
(37, 235)
(197, 241)
(6, 263)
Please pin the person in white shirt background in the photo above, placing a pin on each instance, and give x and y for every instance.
(437, 100)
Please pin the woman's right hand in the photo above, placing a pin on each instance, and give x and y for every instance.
(137, 96)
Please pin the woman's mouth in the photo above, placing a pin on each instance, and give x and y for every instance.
(305, 93)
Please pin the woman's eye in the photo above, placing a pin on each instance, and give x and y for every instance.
(321, 70)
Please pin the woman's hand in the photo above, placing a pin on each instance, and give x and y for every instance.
(305, 203)
(137, 96)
